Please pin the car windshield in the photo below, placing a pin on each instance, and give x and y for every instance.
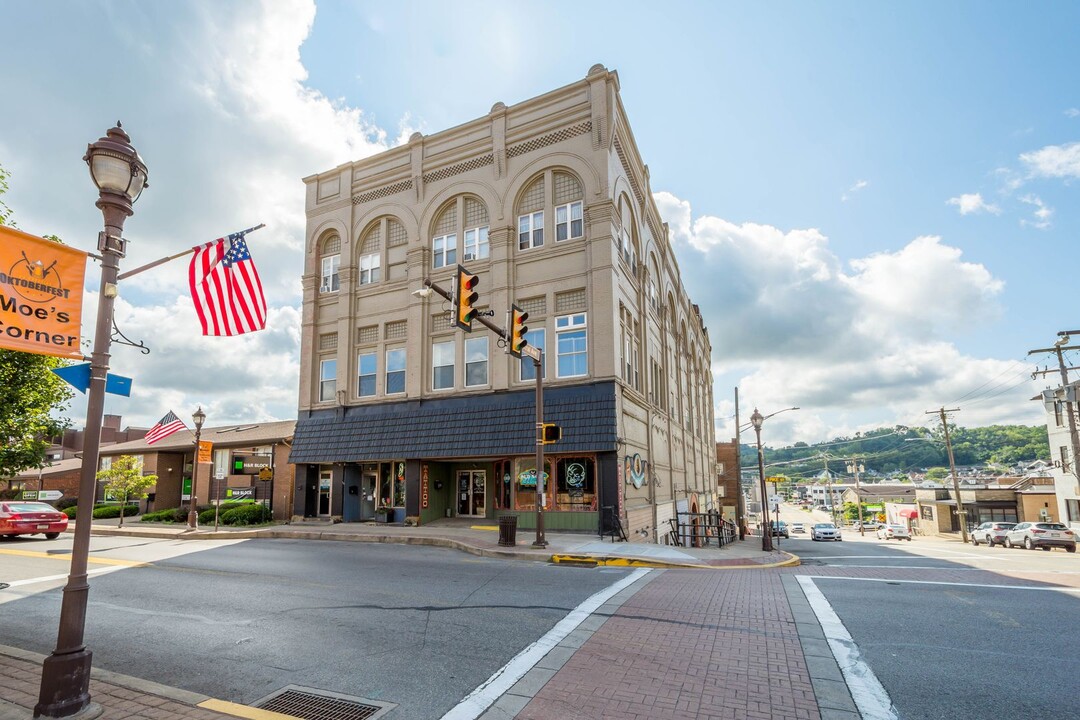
(898, 527)
(825, 526)
(1005, 526)
(29, 507)
(1050, 526)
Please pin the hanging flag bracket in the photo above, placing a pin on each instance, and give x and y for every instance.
(164, 260)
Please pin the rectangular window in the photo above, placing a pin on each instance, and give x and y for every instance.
(1064, 452)
(528, 367)
(442, 365)
(395, 371)
(572, 342)
(444, 250)
(370, 269)
(330, 280)
(476, 244)
(568, 222)
(368, 365)
(327, 380)
(476, 361)
(1057, 414)
(531, 230)
(575, 484)
(524, 482)
(1072, 509)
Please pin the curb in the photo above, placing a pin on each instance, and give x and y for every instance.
(612, 561)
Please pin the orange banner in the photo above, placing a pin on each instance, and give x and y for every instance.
(41, 289)
(205, 448)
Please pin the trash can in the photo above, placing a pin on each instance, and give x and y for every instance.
(508, 531)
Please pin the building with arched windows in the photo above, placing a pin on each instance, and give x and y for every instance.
(404, 416)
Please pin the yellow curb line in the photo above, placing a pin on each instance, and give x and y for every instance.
(483, 527)
(67, 556)
(793, 561)
(244, 711)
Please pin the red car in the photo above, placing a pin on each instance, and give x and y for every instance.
(30, 518)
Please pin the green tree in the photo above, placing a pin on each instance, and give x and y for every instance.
(937, 473)
(125, 481)
(31, 397)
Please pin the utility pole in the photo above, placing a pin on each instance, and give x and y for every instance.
(828, 487)
(856, 467)
(960, 512)
(740, 500)
(1060, 346)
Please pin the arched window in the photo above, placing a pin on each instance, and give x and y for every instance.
(330, 264)
(627, 235)
(463, 217)
(553, 197)
(370, 261)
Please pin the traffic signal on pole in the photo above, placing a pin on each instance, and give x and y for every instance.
(550, 433)
(518, 328)
(465, 298)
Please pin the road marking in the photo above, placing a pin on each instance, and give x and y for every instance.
(67, 557)
(866, 690)
(480, 699)
(51, 578)
(943, 582)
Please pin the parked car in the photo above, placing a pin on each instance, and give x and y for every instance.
(890, 532)
(798, 528)
(825, 531)
(1043, 535)
(779, 529)
(31, 518)
(991, 533)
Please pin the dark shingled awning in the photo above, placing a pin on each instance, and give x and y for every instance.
(489, 425)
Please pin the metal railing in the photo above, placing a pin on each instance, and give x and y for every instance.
(701, 530)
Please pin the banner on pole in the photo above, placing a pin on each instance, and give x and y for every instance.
(41, 288)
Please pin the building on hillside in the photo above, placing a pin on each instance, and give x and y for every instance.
(1022, 500)
(247, 461)
(1066, 485)
(548, 203)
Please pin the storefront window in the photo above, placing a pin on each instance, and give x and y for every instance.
(503, 484)
(575, 483)
(392, 484)
(399, 484)
(524, 482)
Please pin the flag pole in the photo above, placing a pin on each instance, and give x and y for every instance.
(164, 260)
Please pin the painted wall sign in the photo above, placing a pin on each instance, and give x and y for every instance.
(41, 287)
(423, 486)
(636, 470)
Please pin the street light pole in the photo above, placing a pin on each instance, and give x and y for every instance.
(120, 176)
(766, 530)
(856, 468)
(199, 417)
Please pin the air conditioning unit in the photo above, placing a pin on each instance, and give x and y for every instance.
(468, 257)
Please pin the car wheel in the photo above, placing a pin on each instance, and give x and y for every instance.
(1046, 548)
(51, 536)
(974, 540)
(1027, 544)
(909, 539)
(1071, 548)
(1008, 542)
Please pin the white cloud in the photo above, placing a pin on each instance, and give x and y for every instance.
(1054, 161)
(859, 185)
(1042, 212)
(970, 203)
(1073, 112)
(791, 325)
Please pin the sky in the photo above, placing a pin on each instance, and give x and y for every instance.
(874, 204)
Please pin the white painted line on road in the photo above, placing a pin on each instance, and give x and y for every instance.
(942, 582)
(480, 699)
(867, 691)
(888, 567)
(51, 578)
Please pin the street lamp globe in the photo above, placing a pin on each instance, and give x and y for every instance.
(756, 419)
(198, 417)
(115, 166)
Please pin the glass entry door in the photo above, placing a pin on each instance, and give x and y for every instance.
(471, 496)
(325, 476)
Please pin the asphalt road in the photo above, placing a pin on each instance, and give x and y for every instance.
(420, 627)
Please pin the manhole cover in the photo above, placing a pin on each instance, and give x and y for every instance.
(313, 704)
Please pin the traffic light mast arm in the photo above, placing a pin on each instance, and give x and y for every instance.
(479, 318)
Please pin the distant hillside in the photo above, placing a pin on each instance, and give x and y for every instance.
(887, 450)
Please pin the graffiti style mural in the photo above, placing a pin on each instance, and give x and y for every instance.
(636, 469)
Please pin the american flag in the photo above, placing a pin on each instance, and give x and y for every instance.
(225, 287)
(166, 426)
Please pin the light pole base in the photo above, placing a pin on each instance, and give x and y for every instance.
(540, 544)
(65, 687)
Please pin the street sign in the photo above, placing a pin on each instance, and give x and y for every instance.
(49, 495)
(29, 495)
(78, 377)
(531, 351)
(266, 474)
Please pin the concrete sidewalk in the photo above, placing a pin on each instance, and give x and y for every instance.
(480, 537)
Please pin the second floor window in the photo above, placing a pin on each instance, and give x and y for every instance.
(370, 269)
(395, 371)
(531, 230)
(476, 361)
(573, 346)
(330, 281)
(528, 366)
(327, 380)
(444, 250)
(442, 365)
(568, 222)
(368, 369)
(476, 244)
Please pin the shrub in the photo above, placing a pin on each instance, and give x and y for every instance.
(167, 516)
(64, 503)
(247, 514)
(113, 511)
(207, 516)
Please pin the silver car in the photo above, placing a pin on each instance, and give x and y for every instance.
(825, 531)
(991, 533)
(1043, 535)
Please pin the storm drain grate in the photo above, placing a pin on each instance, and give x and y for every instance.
(312, 704)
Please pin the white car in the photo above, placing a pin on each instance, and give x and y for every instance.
(825, 531)
(798, 528)
(893, 532)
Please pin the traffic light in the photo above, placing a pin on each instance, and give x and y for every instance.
(518, 328)
(465, 298)
(550, 433)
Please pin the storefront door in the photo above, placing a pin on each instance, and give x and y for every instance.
(367, 499)
(471, 492)
(325, 476)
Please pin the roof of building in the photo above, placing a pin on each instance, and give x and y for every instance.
(225, 436)
(56, 468)
(887, 491)
(489, 425)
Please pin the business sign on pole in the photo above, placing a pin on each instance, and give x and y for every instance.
(206, 451)
(41, 286)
